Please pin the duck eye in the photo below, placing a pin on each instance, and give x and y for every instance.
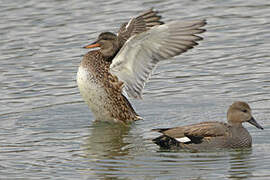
(244, 110)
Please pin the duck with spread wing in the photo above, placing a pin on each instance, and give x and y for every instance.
(124, 62)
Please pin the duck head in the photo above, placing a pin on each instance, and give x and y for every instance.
(108, 44)
(240, 112)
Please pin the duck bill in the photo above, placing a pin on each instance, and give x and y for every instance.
(254, 123)
(92, 45)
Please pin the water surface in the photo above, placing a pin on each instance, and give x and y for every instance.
(47, 131)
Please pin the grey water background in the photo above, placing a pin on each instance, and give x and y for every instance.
(47, 131)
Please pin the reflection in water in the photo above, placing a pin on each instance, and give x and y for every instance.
(241, 165)
(106, 141)
(234, 164)
(104, 146)
(39, 55)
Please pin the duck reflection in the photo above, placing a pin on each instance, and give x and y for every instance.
(241, 164)
(106, 141)
(103, 147)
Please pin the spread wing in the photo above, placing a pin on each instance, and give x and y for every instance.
(141, 23)
(204, 129)
(138, 57)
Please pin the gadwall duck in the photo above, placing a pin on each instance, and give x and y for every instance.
(124, 62)
(206, 135)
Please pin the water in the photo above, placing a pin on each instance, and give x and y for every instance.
(47, 131)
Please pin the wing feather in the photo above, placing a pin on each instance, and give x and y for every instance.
(139, 24)
(203, 129)
(212, 129)
(140, 54)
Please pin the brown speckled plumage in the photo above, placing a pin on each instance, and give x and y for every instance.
(100, 89)
(124, 62)
(206, 135)
(117, 105)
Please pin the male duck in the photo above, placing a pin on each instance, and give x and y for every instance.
(206, 135)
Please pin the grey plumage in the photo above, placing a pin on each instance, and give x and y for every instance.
(207, 135)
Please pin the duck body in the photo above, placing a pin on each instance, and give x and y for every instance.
(102, 91)
(209, 135)
(232, 137)
(124, 62)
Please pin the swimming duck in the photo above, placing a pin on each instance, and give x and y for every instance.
(207, 135)
(123, 62)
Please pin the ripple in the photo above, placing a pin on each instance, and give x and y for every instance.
(48, 132)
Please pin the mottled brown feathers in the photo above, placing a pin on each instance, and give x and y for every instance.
(117, 104)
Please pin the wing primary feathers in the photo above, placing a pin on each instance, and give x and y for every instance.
(141, 53)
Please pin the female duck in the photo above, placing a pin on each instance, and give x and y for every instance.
(125, 61)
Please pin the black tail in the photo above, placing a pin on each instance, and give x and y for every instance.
(166, 142)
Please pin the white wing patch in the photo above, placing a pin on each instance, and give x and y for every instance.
(183, 139)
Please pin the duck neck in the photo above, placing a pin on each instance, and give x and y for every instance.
(110, 58)
(235, 124)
